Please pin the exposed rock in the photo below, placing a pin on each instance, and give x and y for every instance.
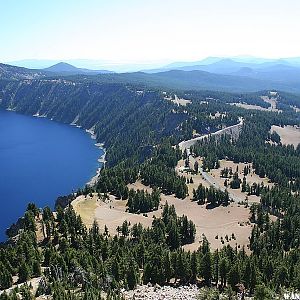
(148, 292)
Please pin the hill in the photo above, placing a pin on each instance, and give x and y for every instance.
(12, 72)
(68, 69)
(244, 79)
(278, 72)
(199, 80)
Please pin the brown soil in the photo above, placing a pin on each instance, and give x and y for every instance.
(290, 135)
(214, 223)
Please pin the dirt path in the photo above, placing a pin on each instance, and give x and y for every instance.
(185, 145)
(212, 181)
(221, 225)
(178, 101)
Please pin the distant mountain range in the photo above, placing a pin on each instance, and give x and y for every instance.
(153, 67)
(89, 64)
(202, 80)
(243, 74)
(227, 65)
(239, 65)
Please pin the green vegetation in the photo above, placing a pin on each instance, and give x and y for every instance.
(141, 130)
(275, 245)
(211, 195)
(142, 202)
(95, 261)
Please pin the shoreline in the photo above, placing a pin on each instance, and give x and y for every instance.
(101, 160)
(91, 178)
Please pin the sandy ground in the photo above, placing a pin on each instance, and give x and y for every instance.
(256, 107)
(288, 134)
(178, 101)
(250, 178)
(220, 221)
(218, 181)
(271, 101)
(216, 224)
(111, 213)
(249, 106)
(86, 207)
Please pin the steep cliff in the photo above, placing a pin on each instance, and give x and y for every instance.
(119, 115)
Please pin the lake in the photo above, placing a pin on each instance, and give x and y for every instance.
(39, 161)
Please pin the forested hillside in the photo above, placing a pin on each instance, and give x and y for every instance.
(141, 128)
(275, 245)
(129, 119)
(11, 72)
(197, 80)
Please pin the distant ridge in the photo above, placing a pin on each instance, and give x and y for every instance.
(68, 69)
(228, 65)
(242, 77)
(90, 65)
(13, 72)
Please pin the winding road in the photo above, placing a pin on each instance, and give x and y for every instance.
(186, 145)
(232, 130)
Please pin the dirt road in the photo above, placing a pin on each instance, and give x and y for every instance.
(232, 130)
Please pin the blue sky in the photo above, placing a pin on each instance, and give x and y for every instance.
(152, 30)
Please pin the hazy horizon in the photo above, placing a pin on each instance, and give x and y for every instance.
(93, 64)
(148, 32)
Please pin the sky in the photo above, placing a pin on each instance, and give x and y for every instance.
(148, 30)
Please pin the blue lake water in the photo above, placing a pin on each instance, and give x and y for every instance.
(39, 161)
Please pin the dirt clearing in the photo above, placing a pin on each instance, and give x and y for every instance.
(289, 135)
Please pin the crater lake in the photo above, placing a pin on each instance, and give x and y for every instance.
(39, 161)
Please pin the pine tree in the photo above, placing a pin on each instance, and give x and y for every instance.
(194, 266)
(131, 276)
(5, 278)
(263, 293)
(216, 260)
(223, 271)
(36, 268)
(234, 276)
(206, 268)
(24, 272)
